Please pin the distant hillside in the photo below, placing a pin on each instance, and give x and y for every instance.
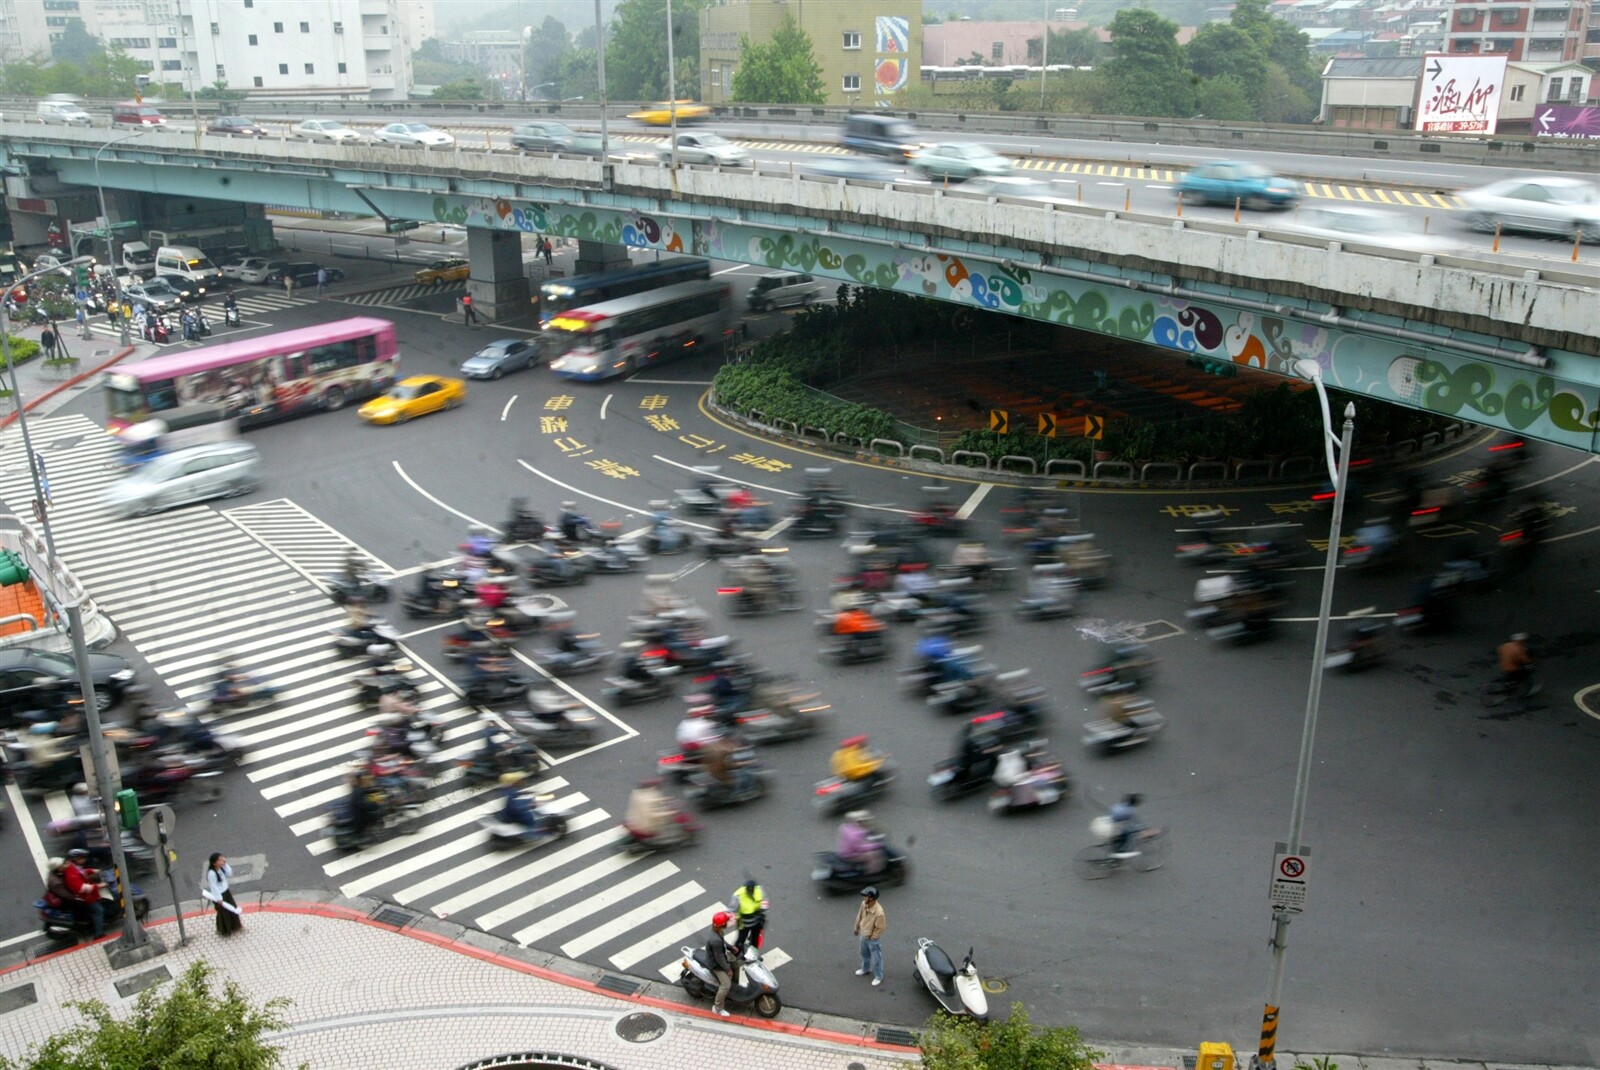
(461, 16)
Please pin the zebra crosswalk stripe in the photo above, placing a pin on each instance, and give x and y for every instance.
(243, 583)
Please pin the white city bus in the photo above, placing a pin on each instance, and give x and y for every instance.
(640, 331)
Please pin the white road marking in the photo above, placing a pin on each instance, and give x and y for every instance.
(773, 490)
(686, 569)
(1577, 700)
(512, 400)
(1557, 475)
(604, 405)
(730, 270)
(19, 807)
(449, 509)
(598, 498)
(779, 528)
(975, 499)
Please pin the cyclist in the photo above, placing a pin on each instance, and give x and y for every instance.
(1125, 816)
(1516, 665)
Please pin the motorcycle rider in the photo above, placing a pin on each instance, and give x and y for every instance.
(855, 759)
(856, 845)
(1125, 817)
(649, 810)
(723, 764)
(230, 308)
(1516, 665)
(84, 890)
(363, 812)
(229, 685)
(721, 963)
(571, 522)
(515, 808)
(487, 671)
(852, 623)
(971, 559)
(634, 667)
(696, 731)
(56, 893)
(750, 904)
(1013, 772)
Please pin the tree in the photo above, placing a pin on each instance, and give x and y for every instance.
(1280, 43)
(579, 76)
(959, 1043)
(219, 90)
(1077, 48)
(190, 1027)
(1224, 98)
(547, 47)
(1146, 75)
(1220, 50)
(76, 45)
(636, 49)
(461, 89)
(783, 70)
(1281, 101)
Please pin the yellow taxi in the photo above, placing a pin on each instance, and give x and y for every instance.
(689, 111)
(450, 269)
(415, 395)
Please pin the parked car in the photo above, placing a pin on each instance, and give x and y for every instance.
(958, 161)
(259, 270)
(499, 357)
(689, 111)
(236, 126)
(26, 673)
(191, 474)
(326, 130)
(708, 148)
(188, 290)
(155, 293)
(304, 273)
(1548, 205)
(416, 135)
(1224, 182)
(450, 269)
(554, 137)
(413, 396)
(232, 266)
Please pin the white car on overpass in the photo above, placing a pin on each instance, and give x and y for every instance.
(417, 135)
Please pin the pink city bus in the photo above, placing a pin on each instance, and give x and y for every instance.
(279, 375)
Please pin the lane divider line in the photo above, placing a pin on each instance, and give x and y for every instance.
(510, 401)
(449, 509)
(975, 499)
(608, 501)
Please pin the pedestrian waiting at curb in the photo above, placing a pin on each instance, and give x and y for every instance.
(322, 281)
(218, 891)
(468, 316)
(288, 285)
(870, 923)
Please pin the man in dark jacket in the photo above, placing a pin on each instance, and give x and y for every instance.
(721, 962)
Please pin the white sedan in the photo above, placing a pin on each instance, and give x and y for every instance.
(327, 130)
(1550, 205)
(236, 268)
(708, 148)
(418, 134)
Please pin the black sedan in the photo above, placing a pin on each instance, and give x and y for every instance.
(235, 126)
(303, 272)
(188, 290)
(32, 679)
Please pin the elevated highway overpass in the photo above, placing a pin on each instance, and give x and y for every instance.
(1480, 339)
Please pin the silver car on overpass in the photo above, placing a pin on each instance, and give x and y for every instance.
(1547, 205)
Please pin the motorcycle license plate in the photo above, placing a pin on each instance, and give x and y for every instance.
(820, 873)
(944, 776)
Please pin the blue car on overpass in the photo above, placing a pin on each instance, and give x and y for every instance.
(1224, 182)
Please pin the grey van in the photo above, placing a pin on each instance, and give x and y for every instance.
(191, 474)
(59, 110)
(782, 291)
(879, 135)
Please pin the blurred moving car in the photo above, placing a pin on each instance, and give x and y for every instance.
(1225, 181)
(1011, 186)
(1363, 226)
(413, 396)
(1547, 205)
(192, 474)
(450, 269)
(501, 356)
(26, 673)
(188, 290)
(879, 135)
(416, 135)
(689, 111)
(236, 126)
(708, 148)
(554, 137)
(783, 290)
(304, 273)
(62, 108)
(861, 168)
(326, 130)
(958, 161)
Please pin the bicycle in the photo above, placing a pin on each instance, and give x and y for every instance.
(1500, 690)
(1098, 860)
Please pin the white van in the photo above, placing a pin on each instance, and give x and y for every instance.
(138, 259)
(62, 113)
(187, 262)
(781, 291)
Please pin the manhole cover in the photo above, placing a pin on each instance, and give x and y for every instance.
(641, 1027)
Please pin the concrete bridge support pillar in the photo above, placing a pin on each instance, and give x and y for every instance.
(597, 256)
(498, 285)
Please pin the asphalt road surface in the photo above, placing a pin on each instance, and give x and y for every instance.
(1450, 909)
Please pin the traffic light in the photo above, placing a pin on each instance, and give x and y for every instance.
(127, 804)
(13, 569)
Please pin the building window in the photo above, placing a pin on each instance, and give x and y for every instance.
(1503, 44)
(1503, 17)
(166, 42)
(126, 43)
(256, 81)
(283, 68)
(305, 27)
(172, 64)
(1467, 17)
(1516, 92)
(249, 3)
(1546, 44)
(716, 76)
(216, 29)
(221, 74)
(997, 51)
(277, 27)
(852, 83)
(253, 40)
(852, 40)
(311, 68)
(338, 27)
(342, 69)
(1556, 85)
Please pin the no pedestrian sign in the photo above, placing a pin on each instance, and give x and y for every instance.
(1290, 876)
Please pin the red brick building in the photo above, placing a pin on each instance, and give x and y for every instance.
(1536, 31)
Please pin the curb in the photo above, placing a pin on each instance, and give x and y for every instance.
(34, 403)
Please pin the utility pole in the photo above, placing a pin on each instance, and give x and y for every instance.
(672, 92)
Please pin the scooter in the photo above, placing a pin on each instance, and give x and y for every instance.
(838, 876)
(383, 677)
(553, 729)
(664, 537)
(525, 525)
(589, 655)
(854, 649)
(615, 555)
(959, 991)
(681, 831)
(836, 795)
(1050, 595)
(794, 717)
(1044, 785)
(496, 689)
(230, 316)
(376, 640)
(750, 783)
(394, 816)
(245, 692)
(1373, 546)
(58, 923)
(466, 640)
(755, 987)
(963, 774)
(1365, 645)
(344, 591)
(716, 544)
(437, 594)
(548, 826)
(511, 755)
(627, 690)
(1109, 735)
(1127, 668)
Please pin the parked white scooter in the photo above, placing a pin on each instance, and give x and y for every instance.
(958, 991)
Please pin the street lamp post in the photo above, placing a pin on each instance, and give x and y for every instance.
(522, 60)
(672, 92)
(600, 71)
(111, 262)
(1264, 1058)
(134, 938)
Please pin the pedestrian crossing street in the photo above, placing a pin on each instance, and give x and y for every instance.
(251, 303)
(196, 585)
(395, 295)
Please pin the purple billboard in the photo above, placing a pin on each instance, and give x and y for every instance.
(1558, 120)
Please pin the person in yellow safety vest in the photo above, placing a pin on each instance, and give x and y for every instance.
(855, 760)
(750, 903)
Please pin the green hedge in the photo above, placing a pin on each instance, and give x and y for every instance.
(772, 389)
(22, 350)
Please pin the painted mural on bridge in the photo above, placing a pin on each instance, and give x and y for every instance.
(1522, 399)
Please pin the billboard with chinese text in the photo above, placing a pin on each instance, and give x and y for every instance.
(1460, 94)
